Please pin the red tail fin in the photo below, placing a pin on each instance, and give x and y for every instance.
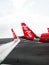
(48, 30)
(27, 31)
(14, 35)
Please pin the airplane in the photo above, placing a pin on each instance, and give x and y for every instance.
(6, 57)
(6, 49)
(30, 35)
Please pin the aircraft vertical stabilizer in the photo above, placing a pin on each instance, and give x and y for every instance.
(27, 31)
(48, 30)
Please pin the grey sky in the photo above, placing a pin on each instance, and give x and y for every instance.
(5, 7)
(35, 13)
(39, 7)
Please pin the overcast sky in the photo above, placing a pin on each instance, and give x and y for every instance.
(35, 13)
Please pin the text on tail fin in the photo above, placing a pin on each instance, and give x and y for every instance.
(27, 31)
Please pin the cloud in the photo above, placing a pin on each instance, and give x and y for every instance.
(29, 3)
(13, 12)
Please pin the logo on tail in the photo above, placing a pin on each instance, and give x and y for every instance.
(27, 31)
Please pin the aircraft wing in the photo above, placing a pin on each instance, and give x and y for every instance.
(5, 49)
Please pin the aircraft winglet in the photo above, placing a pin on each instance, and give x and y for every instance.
(14, 35)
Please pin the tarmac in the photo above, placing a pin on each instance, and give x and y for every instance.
(5, 40)
(29, 53)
